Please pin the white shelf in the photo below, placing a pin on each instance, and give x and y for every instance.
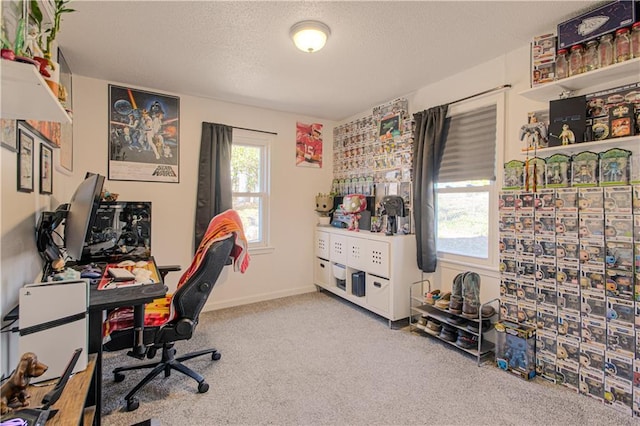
(629, 142)
(629, 69)
(26, 96)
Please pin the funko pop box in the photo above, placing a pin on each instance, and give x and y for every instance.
(516, 349)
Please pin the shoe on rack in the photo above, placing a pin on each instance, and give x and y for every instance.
(454, 319)
(466, 340)
(422, 321)
(470, 294)
(433, 326)
(474, 328)
(449, 333)
(456, 289)
(455, 304)
(431, 297)
(443, 302)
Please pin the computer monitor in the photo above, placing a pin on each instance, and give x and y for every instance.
(81, 214)
(78, 216)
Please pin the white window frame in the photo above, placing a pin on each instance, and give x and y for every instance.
(491, 262)
(263, 141)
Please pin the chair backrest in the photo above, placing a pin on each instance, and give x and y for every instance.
(192, 295)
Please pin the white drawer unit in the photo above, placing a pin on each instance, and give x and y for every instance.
(378, 293)
(322, 272)
(322, 245)
(388, 262)
(338, 248)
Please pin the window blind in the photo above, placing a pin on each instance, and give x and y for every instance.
(470, 148)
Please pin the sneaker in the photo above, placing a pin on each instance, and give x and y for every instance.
(433, 326)
(449, 333)
(443, 302)
(431, 297)
(474, 328)
(454, 319)
(466, 340)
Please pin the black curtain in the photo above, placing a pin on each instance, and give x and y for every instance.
(428, 146)
(214, 176)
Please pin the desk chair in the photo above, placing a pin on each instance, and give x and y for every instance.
(184, 309)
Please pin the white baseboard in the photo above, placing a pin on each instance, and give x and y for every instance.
(213, 305)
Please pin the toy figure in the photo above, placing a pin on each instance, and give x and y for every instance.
(31, 46)
(612, 172)
(567, 136)
(516, 354)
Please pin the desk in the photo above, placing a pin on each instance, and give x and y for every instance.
(71, 404)
(102, 300)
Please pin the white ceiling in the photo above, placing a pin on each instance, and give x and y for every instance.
(241, 51)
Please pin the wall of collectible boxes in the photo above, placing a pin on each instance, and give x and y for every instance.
(374, 151)
(570, 265)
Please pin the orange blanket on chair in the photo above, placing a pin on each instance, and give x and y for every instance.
(160, 310)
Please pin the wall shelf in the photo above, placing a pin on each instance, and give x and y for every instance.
(26, 96)
(628, 142)
(629, 69)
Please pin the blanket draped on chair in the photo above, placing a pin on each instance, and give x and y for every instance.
(160, 311)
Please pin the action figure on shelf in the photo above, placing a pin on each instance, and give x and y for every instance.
(567, 136)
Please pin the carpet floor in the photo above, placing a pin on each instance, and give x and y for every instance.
(315, 359)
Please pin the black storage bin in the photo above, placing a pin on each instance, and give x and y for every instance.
(357, 283)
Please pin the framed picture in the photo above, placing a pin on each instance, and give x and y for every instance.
(309, 145)
(8, 134)
(49, 131)
(46, 171)
(144, 131)
(389, 127)
(25, 162)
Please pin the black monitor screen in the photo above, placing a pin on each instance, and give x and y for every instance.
(81, 215)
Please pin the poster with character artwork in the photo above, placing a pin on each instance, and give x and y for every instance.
(308, 145)
(144, 131)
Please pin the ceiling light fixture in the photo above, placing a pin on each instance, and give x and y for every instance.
(309, 36)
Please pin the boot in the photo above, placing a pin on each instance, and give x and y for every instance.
(455, 303)
(471, 295)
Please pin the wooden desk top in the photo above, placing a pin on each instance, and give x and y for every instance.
(70, 406)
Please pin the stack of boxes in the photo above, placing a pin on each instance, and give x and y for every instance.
(569, 258)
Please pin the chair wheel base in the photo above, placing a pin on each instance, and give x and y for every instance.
(118, 377)
(132, 404)
(216, 356)
(203, 387)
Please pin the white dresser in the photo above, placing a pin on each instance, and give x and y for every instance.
(388, 262)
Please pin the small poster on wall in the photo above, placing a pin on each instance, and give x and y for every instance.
(309, 145)
(144, 131)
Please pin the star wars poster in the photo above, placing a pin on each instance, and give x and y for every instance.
(309, 145)
(144, 131)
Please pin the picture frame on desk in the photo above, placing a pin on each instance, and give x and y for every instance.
(46, 169)
(25, 162)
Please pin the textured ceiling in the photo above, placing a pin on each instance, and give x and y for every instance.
(241, 51)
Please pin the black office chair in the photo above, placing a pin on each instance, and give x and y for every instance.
(187, 302)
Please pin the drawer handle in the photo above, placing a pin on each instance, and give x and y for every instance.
(377, 284)
(322, 265)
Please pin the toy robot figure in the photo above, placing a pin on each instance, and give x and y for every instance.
(516, 352)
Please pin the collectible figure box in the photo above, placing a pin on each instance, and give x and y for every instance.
(558, 172)
(568, 349)
(546, 343)
(620, 284)
(618, 365)
(526, 290)
(590, 200)
(543, 59)
(546, 200)
(619, 227)
(593, 304)
(592, 356)
(527, 313)
(567, 121)
(620, 312)
(619, 255)
(617, 199)
(567, 200)
(584, 169)
(515, 349)
(594, 332)
(569, 323)
(567, 374)
(568, 274)
(618, 393)
(592, 383)
(621, 339)
(622, 120)
(567, 224)
(569, 301)
(603, 109)
(545, 223)
(546, 366)
(593, 24)
(509, 308)
(591, 225)
(548, 317)
(614, 167)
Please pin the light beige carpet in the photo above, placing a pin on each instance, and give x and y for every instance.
(315, 359)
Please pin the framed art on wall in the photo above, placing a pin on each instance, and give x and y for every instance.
(66, 129)
(144, 131)
(8, 134)
(25, 162)
(46, 172)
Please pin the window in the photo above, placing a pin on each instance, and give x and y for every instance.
(250, 183)
(466, 184)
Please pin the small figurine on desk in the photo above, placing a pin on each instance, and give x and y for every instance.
(14, 390)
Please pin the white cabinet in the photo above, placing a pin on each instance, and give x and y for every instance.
(388, 262)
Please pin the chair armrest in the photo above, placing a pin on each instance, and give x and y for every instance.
(165, 269)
